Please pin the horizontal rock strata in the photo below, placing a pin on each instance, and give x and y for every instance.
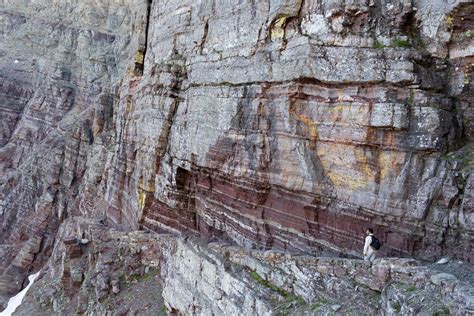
(282, 124)
(298, 132)
(59, 62)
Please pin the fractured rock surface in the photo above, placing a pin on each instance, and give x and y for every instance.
(114, 272)
(188, 276)
(60, 61)
(296, 124)
(283, 124)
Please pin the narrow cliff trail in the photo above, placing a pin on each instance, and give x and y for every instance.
(154, 274)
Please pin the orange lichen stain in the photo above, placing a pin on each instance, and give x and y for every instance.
(338, 162)
(310, 124)
(380, 165)
(390, 163)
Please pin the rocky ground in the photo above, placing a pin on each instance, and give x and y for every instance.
(141, 273)
(110, 272)
(461, 270)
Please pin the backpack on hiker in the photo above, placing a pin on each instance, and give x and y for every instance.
(375, 243)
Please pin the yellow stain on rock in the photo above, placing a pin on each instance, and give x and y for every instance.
(143, 188)
(450, 19)
(353, 168)
(369, 172)
(148, 186)
(337, 163)
(313, 129)
(391, 163)
(141, 199)
(345, 180)
(278, 29)
(139, 57)
(129, 103)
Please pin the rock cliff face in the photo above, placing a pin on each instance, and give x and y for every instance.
(296, 124)
(60, 62)
(288, 124)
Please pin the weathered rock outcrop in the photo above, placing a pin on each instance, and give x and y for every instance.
(194, 278)
(230, 280)
(295, 124)
(289, 124)
(60, 62)
(96, 270)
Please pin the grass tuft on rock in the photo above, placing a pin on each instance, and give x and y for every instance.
(289, 297)
(401, 43)
(378, 45)
(397, 43)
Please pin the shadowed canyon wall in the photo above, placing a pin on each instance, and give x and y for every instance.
(60, 62)
(291, 124)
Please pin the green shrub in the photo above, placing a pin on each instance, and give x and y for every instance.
(401, 43)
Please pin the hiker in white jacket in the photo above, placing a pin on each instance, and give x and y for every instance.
(369, 252)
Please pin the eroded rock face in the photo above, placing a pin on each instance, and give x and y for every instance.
(59, 62)
(145, 273)
(273, 124)
(296, 124)
(223, 279)
(96, 270)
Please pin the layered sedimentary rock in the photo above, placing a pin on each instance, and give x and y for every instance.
(59, 63)
(273, 124)
(162, 273)
(296, 124)
(199, 278)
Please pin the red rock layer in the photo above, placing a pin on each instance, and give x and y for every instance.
(254, 207)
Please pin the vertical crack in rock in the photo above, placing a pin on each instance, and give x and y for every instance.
(147, 30)
(178, 71)
(144, 29)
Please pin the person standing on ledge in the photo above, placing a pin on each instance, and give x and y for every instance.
(371, 246)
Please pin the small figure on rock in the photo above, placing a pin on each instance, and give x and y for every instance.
(372, 244)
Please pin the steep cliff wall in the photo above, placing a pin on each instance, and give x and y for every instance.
(295, 124)
(60, 62)
(281, 123)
